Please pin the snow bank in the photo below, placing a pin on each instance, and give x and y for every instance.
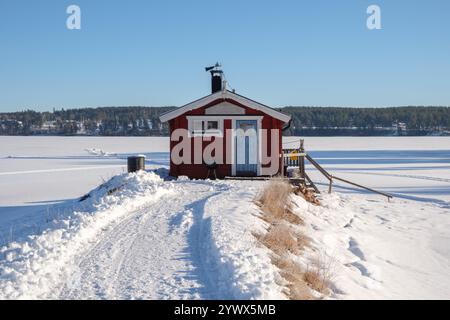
(34, 268)
(99, 152)
(243, 265)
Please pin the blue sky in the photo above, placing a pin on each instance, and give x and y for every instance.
(299, 52)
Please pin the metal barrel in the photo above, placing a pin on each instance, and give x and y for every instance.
(136, 163)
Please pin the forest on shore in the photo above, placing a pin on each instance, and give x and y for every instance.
(306, 121)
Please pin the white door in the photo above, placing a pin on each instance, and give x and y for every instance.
(246, 148)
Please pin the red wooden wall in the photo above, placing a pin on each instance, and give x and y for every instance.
(200, 171)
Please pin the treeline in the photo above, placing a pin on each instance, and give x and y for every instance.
(106, 121)
(368, 121)
(144, 121)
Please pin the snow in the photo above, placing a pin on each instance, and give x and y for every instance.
(382, 250)
(244, 264)
(99, 152)
(178, 239)
(155, 238)
(46, 161)
(370, 143)
(34, 267)
(140, 237)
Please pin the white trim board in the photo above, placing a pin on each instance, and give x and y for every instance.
(222, 117)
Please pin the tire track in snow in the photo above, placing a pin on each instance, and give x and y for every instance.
(148, 257)
(200, 243)
(93, 277)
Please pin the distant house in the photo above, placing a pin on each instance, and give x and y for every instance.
(248, 132)
(49, 126)
(400, 128)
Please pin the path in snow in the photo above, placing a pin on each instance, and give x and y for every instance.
(156, 253)
(139, 237)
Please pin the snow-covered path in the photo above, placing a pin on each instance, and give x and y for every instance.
(156, 253)
(140, 237)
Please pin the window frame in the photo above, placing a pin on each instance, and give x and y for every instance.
(216, 127)
(204, 131)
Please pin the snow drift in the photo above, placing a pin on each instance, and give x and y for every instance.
(35, 267)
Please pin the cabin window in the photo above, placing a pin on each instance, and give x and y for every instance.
(198, 126)
(205, 127)
(212, 125)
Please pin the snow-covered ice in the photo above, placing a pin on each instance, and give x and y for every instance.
(28, 162)
(140, 236)
(382, 250)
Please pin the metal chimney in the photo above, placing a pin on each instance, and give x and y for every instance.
(216, 77)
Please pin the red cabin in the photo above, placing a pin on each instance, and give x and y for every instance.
(225, 134)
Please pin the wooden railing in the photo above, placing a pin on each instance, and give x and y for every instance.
(292, 157)
(296, 158)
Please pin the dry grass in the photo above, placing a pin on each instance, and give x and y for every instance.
(283, 238)
(275, 202)
(302, 241)
(320, 273)
(317, 277)
(293, 274)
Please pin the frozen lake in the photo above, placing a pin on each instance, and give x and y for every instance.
(39, 170)
(35, 170)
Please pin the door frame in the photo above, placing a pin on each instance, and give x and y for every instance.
(258, 142)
